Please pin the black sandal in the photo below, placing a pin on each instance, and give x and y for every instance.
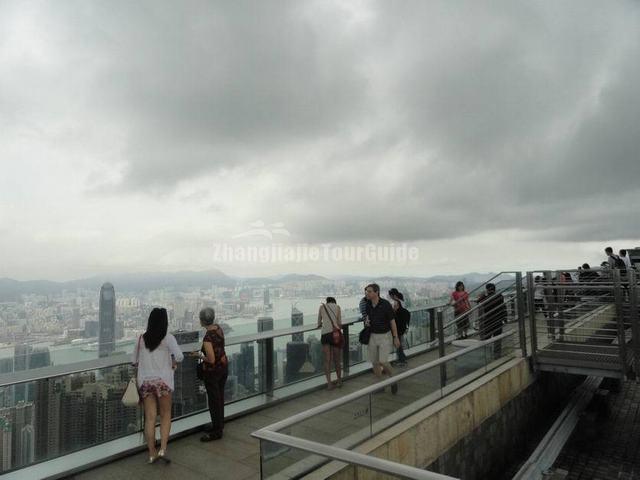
(209, 437)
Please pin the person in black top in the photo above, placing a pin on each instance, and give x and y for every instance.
(494, 315)
(403, 317)
(215, 372)
(384, 333)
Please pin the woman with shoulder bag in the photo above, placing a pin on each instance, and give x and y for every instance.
(330, 320)
(155, 357)
(214, 372)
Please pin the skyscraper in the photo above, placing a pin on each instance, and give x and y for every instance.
(90, 328)
(5, 444)
(186, 393)
(264, 325)
(107, 320)
(297, 320)
(20, 420)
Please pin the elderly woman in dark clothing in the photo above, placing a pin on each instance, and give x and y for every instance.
(215, 371)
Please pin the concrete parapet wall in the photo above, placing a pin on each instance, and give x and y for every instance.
(424, 437)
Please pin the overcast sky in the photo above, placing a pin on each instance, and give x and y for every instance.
(490, 135)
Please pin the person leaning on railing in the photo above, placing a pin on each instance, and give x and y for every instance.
(493, 316)
(461, 305)
(330, 318)
(215, 370)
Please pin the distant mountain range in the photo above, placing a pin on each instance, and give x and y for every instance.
(473, 277)
(11, 290)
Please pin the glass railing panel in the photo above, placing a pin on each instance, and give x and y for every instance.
(51, 417)
(282, 462)
(244, 371)
(344, 426)
(297, 357)
(406, 398)
(357, 351)
(418, 331)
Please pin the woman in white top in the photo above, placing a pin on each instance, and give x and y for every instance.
(329, 316)
(155, 355)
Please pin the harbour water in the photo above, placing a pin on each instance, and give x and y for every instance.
(281, 313)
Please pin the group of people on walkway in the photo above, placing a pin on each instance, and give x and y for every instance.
(155, 358)
(491, 310)
(386, 323)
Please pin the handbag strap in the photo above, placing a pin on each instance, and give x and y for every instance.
(138, 351)
(329, 315)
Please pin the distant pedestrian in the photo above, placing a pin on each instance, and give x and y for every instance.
(155, 356)
(538, 296)
(215, 369)
(587, 275)
(493, 316)
(330, 317)
(461, 307)
(384, 333)
(625, 258)
(614, 260)
(403, 318)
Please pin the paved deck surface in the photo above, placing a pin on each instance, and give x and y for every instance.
(236, 456)
(606, 442)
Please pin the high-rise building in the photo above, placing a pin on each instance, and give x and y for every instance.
(246, 370)
(78, 431)
(25, 358)
(186, 395)
(48, 404)
(119, 330)
(6, 365)
(297, 320)
(267, 298)
(75, 317)
(20, 420)
(315, 352)
(21, 357)
(107, 320)
(6, 447)
(39, 357)
(90, 328)
(264, 324)
(297, 354)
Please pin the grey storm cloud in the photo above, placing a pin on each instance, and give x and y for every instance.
(402, 121)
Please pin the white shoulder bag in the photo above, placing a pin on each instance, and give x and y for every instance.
(131, 397)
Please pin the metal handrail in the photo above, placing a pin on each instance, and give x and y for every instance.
(379, 385)
(351, 457)
(271, 432)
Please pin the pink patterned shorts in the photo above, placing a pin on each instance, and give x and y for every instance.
(154, 387)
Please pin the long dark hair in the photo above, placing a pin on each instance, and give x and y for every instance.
(156, 328)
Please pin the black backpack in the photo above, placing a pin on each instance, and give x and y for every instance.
(618, 262)
(403, 317)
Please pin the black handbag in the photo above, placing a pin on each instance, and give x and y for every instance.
(364, 336)
(200, 370)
